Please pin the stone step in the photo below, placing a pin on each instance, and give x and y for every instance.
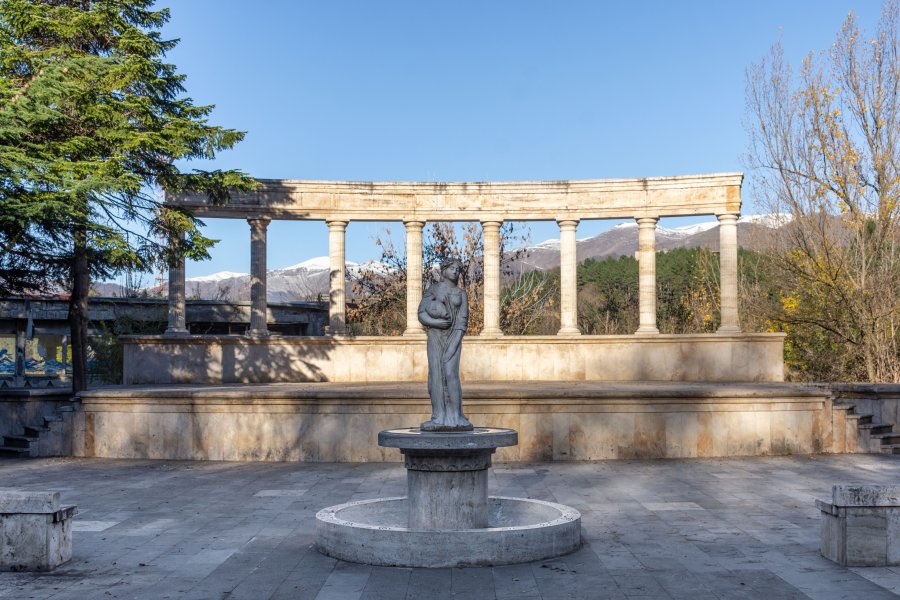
(34, 432)
(52, 418)
(890, 449)
(860, 419)
(16, 441)
(876, 428)
(890, 437)
(7, 452)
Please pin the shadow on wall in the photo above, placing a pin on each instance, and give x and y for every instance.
(229, 359)
(245, 361)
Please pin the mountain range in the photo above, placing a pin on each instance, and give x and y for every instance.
(309, 279)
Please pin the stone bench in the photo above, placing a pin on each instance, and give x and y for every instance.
(35, 531)
(861, 525)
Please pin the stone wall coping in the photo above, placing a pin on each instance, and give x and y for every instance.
(891, 390)
(18, 501)
(26, 394)
(420, 340)
(472, 391)
(825, 507)
(866, 495)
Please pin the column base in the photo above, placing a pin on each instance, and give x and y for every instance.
(257, 333)
(728, 329)
(569, 331)
(491, 333)
(176, 333)
(414, 333)
(330, 331)
(646, 330)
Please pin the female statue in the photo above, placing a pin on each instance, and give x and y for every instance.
(444, 311)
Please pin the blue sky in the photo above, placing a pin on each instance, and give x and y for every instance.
(475, 91)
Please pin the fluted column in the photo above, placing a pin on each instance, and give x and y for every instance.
(413, 276)
(728, 274)
(647, 274)
(177, 321)
(337, 321)
(258, 306)
(568, 281)
(491, 278)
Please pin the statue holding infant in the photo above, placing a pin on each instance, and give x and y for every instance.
(444, 311)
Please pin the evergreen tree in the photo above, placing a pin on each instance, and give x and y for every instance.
(93, 123)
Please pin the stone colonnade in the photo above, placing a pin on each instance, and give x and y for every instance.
(491, 229)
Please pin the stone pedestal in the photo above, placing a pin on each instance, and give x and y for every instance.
(446, 474)
(447, 518)
(861, 525)
(35, 531)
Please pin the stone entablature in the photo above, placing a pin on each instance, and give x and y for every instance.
(683, 195)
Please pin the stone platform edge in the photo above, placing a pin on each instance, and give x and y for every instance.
(555, 421)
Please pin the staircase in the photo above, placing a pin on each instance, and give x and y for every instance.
(866, 436)
(42, 440)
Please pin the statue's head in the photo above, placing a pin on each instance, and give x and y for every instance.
(450, 268)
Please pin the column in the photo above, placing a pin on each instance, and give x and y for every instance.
(413, 276)
(568, 280)
(336, 298)
(728, 274)
(491, 270)
(19, 366)
(647, 274)
(177, 320)
(64, 354)
(258, 306)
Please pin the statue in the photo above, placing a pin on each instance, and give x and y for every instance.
(444, 311)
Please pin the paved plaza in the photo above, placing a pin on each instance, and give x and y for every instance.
(695, 529)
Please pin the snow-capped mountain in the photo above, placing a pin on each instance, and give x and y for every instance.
(310, 279)
(220, 276)
(307, 280)
(622, 240)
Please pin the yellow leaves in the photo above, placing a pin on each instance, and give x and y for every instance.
(790, 304)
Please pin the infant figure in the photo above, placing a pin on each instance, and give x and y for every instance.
(437, 310)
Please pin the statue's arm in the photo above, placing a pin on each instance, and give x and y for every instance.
(426, 319)
(462, 317)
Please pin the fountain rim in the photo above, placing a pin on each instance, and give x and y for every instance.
(567, 515)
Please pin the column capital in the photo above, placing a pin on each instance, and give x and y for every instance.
(492, 224)
(413, 224)
(567, 223)
(647, 221)
(728, 217)
(262, 222)
(337, 223)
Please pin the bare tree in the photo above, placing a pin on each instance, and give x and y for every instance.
(824, 149)
(380, 294)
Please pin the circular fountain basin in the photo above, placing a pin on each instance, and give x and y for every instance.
(375, 532)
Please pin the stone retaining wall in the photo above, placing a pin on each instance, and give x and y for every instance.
(555, 420)
(239, 359)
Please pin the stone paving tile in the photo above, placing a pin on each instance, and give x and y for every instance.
(695, 529)
(386, 583)
(515, 582)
